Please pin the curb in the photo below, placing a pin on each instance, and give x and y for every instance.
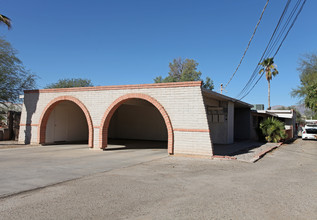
(191, 156)
(261, 154)
(218, 157)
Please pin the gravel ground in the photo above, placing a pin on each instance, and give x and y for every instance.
(283, 185)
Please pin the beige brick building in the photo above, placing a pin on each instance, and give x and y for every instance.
(189, 118)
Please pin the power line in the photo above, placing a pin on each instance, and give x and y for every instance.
(245, 51)
(300, 10)
(283, 30)
(253, 86)
(285, 26)
(270, 47)
(254, 74)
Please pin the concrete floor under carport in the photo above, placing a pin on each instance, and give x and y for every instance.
(25, 168)
(130, 144)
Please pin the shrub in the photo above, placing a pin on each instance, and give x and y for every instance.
(273, 129)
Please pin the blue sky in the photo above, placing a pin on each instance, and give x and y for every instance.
(131, 42)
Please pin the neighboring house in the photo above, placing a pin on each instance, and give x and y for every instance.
(6, 107)
(188, 117)
(9, 120)
(310, 122)
(286, 116)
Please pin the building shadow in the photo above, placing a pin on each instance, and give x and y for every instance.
(30, 104)
(10, 142)
(239, 147)
(128, 144)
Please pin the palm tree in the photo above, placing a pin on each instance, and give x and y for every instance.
(270, 70)
(5, 20)
(273, 129)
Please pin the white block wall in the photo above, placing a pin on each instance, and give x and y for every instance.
(183, 104)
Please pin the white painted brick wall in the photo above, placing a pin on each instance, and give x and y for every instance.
(184, 105)
(197, 143)
(96, 138)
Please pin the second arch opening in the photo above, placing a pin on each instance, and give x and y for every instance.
(137, 123)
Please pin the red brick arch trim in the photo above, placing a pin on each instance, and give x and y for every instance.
(103, 136)
(49, 108)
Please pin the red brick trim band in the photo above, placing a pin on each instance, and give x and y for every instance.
(191, 130)
(96, 126)
(49, 108)
(123, 87)
(29, 124)
(103, 133)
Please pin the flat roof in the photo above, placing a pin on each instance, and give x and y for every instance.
(277, 113)
(219, 96)
(119, 87)
(145, 86)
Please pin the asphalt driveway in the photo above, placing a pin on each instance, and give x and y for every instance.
(280, 186)
(28, 168)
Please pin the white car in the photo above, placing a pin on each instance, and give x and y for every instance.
(309, 132)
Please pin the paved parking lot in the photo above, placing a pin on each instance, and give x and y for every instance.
(282, 185)
(27, 168)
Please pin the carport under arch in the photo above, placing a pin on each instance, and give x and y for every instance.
(50, 107)
(121, 100)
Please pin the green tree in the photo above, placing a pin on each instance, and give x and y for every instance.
(14, 78)
(273, 129)
(69, 83)
(311, 97)
(270, 70)
(307, 90)
(184, 70)
(5, 20)
(208, 84)
(309, 114)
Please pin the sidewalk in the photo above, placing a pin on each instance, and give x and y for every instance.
(246, 151)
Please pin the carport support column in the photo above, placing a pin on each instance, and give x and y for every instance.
(230, 137)
(97, 141)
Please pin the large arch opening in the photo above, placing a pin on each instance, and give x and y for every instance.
(137, 124)
(65, 120)
(66, 124)
(136, 121)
